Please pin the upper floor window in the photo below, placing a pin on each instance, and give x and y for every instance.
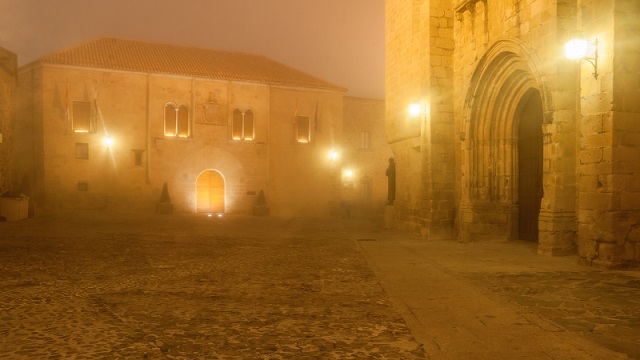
(303, 129)
(82, 117)
(137, 156)
(242, 125)
(176, 120)
(364, 140)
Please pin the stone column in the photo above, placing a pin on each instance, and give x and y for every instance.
(557, 220)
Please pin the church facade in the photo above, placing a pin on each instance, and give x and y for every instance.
(512, 139)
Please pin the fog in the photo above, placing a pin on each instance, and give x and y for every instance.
(341, 41)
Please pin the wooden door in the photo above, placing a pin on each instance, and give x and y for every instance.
(530, 165)
(210, 192)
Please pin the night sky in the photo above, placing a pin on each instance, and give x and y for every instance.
(341, 41)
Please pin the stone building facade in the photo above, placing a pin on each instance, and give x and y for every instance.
(8, 71)
(514, 140)
(364, 184)
(218, 128)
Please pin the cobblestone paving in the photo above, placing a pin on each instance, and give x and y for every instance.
(603, 306)
(186, 287)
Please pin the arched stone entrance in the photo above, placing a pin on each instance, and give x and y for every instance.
(210, 192)
(502, 148)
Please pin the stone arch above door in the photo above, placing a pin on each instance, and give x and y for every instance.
(489, 194)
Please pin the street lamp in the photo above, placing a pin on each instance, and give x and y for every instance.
(108, 141)
(579, 49)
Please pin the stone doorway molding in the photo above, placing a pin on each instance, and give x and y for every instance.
(505, 77)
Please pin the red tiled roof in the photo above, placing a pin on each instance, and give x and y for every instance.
(139, 56)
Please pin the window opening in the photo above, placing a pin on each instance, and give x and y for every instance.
(81, 116)
(176, 121)
(82, 151)
(249, 128)
(170, 123)
(365, 188)
(183, 121)
(364, 140)
(303, 129)
(83, 186)
(137, 157)
(242, 125)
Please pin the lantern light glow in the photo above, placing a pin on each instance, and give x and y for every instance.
(579, 49)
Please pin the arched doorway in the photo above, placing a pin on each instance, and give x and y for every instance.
(210, 192)
(529, 119)
(502, 148)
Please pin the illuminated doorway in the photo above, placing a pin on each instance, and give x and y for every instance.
(529, 165)
(210, 192)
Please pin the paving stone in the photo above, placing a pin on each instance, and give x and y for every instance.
(93, 286)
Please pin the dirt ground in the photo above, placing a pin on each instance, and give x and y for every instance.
(100, 285)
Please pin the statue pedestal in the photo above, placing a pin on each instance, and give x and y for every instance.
(389, 216)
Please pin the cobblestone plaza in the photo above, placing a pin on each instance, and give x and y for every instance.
(174, 287)
(149, 286)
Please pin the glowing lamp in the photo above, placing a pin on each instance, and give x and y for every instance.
(108, 141)
(576, 49)
(580, 49)
(333, 155)
(415, 109)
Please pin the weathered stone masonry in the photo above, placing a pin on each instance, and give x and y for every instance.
(8, 71)
(518, 142)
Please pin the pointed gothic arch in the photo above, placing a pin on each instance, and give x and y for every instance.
(504, 83)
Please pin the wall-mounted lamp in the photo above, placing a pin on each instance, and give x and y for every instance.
(108, 141)
(418, 109)
(333, 155)
(579, 49)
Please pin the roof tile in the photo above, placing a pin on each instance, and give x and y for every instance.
(139, 56)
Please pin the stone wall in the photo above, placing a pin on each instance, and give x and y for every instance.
(8, 73)
(419, 42)
(406, 27)
(609, 197)
(508, 55)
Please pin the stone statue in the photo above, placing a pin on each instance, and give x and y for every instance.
(391, 180)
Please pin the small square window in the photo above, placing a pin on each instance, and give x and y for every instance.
(82, 151)
(137, 157)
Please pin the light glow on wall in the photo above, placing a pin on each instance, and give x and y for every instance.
(333, 155)
(108, 141)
